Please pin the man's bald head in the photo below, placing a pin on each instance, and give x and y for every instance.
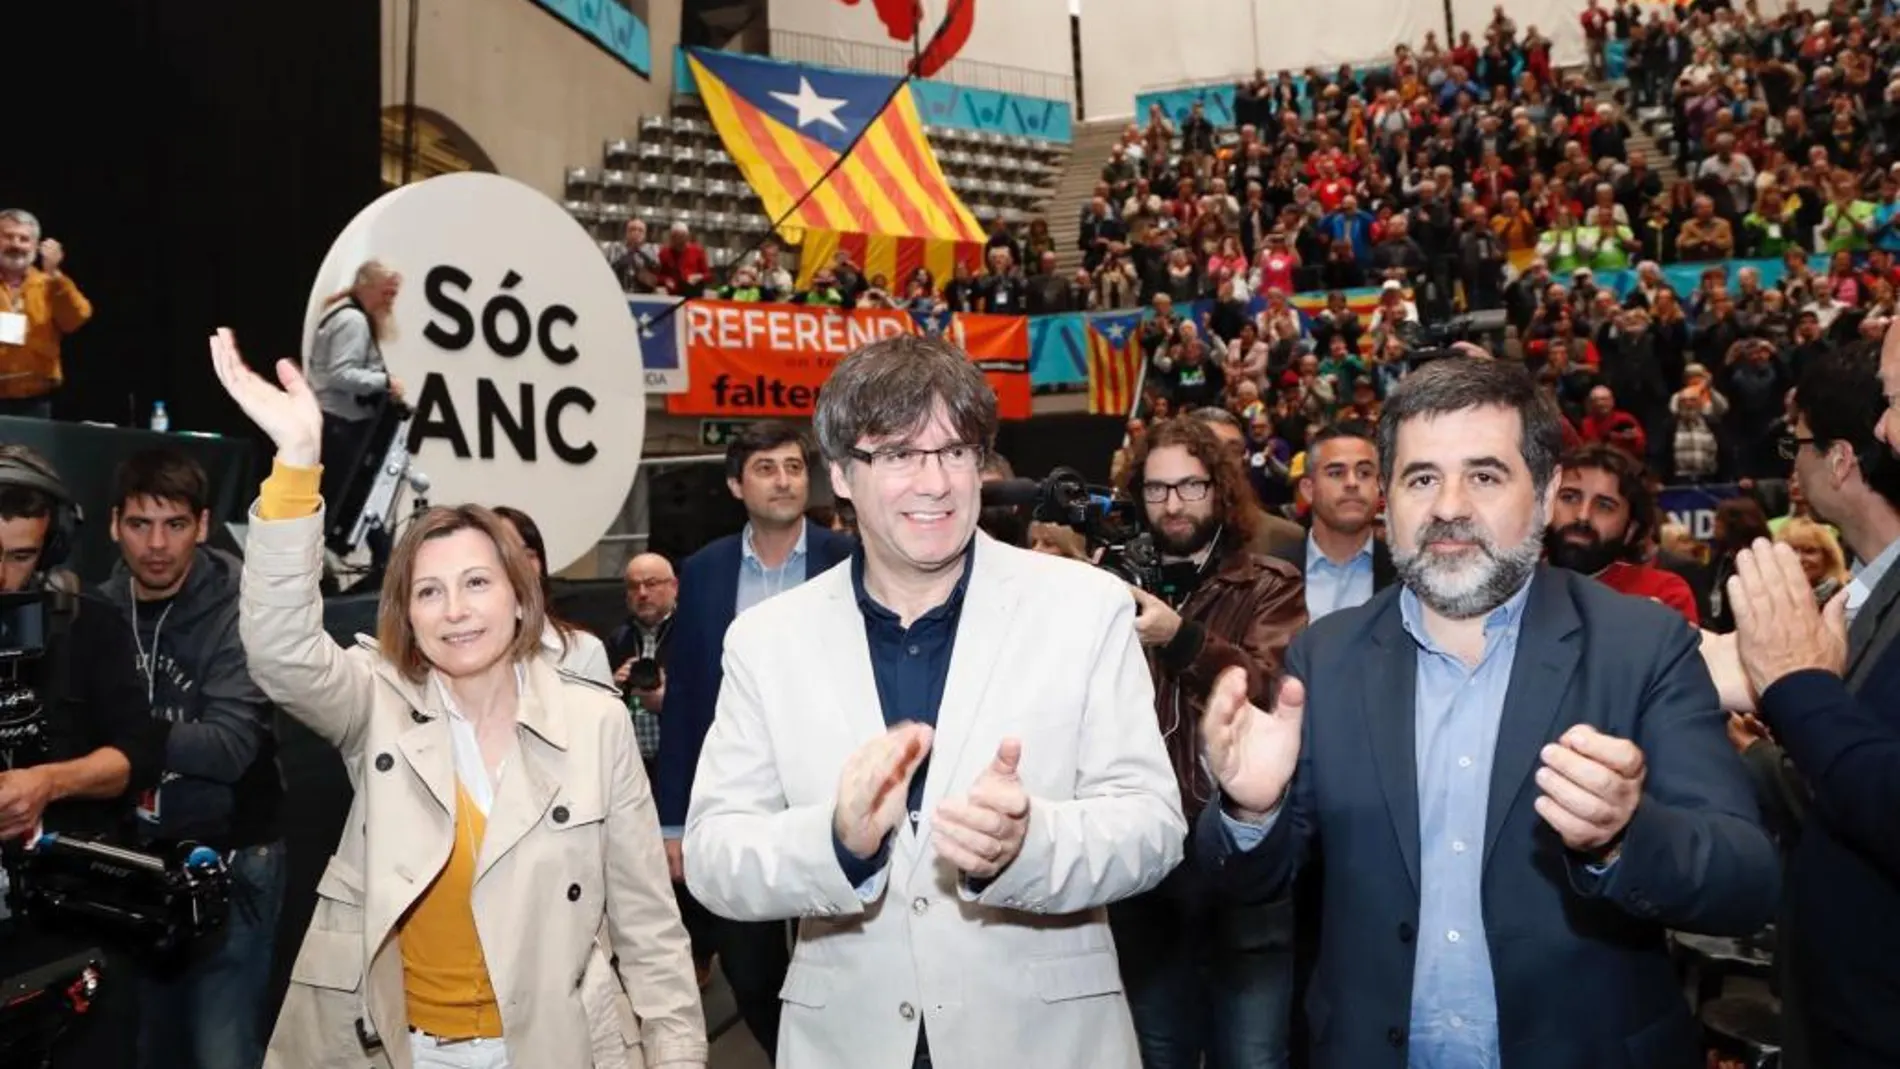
(652, 589)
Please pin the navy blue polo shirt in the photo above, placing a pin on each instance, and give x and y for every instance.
(910, 665)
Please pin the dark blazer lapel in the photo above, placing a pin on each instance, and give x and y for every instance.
(1869, 633)
(722, 593)
(1549, 645)
(1389, 700)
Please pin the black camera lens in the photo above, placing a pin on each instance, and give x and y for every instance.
(643, 674)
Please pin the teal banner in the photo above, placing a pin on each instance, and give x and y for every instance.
(611, 26)
(957, 107)
(1058, 350)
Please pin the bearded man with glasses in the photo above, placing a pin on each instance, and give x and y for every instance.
(1207, 979)
(940, 756)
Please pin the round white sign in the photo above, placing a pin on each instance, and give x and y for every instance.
(514, 343)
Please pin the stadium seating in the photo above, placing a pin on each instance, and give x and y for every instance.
(677, 171)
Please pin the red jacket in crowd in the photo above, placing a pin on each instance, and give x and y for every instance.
(683, 267)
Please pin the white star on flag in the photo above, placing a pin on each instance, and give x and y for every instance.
(810, 106)
(1115, 332)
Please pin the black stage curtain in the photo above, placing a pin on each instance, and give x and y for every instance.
(196, 160)
(1085, 443)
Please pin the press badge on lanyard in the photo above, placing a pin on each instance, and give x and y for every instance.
(12, 328)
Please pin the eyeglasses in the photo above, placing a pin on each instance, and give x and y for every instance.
(959, 458)
(1789, 445)
(1189, 490)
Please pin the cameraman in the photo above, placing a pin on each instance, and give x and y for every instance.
(221, 785)
(1205, 978)
(102, 743)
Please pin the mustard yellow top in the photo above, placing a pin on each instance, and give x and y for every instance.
(290, 493)
(444, 975)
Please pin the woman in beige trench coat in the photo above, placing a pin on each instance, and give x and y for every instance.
(500, 879)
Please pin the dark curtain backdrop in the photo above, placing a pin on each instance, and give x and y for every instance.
(196, 159)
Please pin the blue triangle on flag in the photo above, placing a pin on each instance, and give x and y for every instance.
(828, 106)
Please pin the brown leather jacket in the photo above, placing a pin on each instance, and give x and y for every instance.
(1244, 614)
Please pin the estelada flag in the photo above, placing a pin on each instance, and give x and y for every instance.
(1115, 363)
(894, 258)
(785, 124)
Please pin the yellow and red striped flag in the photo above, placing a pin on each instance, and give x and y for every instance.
(888, 255)
(785, 124)
(1115, 363)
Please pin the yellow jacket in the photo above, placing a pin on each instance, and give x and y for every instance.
(54, 308)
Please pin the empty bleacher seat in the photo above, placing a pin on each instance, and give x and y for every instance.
(582, 210)
(686, 154)
(616, 180)
(651, 182)
(653, 126)
(718, 157)
(616, 151)
(582, 178)
(652, 151)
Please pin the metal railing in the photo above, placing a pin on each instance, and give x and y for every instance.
(895, 60)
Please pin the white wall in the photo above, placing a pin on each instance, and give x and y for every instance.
(533, 92)
(1130, 45)
(1029, 35)
(1325, 33)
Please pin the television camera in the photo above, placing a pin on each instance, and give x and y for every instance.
(152, 903)
(1117, 540)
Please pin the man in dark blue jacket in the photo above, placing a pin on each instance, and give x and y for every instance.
(1517, 778)
(1829, 693)
(768, 468)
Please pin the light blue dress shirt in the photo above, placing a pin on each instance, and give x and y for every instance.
(1331, 587)
(757, 582)
(1867, 577)
(1456, 711)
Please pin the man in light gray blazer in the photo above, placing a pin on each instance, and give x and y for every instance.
(941, 756)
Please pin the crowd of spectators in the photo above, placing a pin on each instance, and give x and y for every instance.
(1475, 178)
(1480, 179)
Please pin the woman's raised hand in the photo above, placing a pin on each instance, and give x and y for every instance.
(289, 415)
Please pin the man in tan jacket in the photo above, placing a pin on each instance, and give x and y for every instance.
(39, 306)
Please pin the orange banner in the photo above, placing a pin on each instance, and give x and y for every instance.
(1000, 346)
(768, 361)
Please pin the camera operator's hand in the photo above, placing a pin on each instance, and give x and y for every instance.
(1155, 623)
(654, 698)
(289, 416)
(874, 788)
(24, 794)
(1251, 752)
(620, 674)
